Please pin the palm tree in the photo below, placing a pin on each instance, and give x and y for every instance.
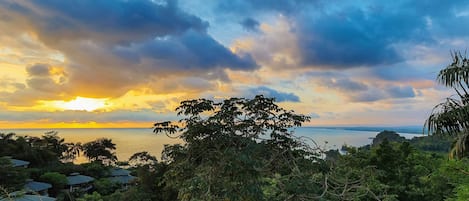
(72, 152)
(101, 150)
(451, 118)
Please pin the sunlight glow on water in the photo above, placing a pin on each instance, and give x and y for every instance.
(130, 141)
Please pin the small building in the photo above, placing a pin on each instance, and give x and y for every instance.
(17, 196)
(122, 177)
(17, 163)
(77, 182)
(38, 188)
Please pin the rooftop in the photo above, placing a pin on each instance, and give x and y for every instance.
(18, 163)
(37, 186)
(76, 178)
(119, 172)
(27, 198)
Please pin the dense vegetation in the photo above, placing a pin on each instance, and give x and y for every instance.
(244, 149)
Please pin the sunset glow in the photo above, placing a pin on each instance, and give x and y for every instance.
(80, 103)
(340, 63)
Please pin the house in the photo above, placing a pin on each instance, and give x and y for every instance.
(77, 182)
(16, 162)
(122, 177)
(37, 188)
(18, 196)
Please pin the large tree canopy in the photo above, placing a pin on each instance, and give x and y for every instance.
(244, 149)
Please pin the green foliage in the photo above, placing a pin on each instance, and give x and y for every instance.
(57, 180)
(134, 194)
(390, 136)
(91, 197)
(47, 150)
(11, 178)
(142, 159)
(432, 143)
(231, 147)
(105, 186)
(451, 117)
(101, 150)
(95, 169)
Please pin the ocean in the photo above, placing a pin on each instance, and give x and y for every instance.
(131, 140)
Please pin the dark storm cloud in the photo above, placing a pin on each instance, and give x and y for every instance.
(112, 46)
(250, 24)
(120, 21)
(356, 37)
(272, 93)
(344, 35)
(254, 6)
(191, 50)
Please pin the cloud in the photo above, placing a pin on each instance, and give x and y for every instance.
(250, 7)
(191, 50)
(38, 70)
(344, 84)
(272, 93)
(314, 115)
(401, 91)
(382, 93)
(118, 21)
(336, 36)
(111, 47)
(250, 24)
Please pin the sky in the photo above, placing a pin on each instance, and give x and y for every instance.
(128, 63)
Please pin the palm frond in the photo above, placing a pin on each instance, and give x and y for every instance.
(448, 118)
(456, 73)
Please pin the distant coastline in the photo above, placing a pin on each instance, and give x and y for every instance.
(398, 129)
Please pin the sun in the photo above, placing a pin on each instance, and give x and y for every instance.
(81, 103)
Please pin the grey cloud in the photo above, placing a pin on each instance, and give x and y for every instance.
(193, 50)
(250, 24)
(344, 84)
(376, 94)
(112, 46)
(114, 21)
(401, 91)
(272, 93)
(38, 70)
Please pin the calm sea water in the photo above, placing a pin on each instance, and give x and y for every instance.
(130, 141)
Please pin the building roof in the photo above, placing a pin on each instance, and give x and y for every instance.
(119, 172)
(37, 186)
(28, 198)
(127, 179)
(76, 178)
(18, 163)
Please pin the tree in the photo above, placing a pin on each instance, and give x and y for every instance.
(73, 150)
(452, 116)
(54, 143)
(142, 159)
(58, 181)
(11, 178)
(101, 150)
(241, 149)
